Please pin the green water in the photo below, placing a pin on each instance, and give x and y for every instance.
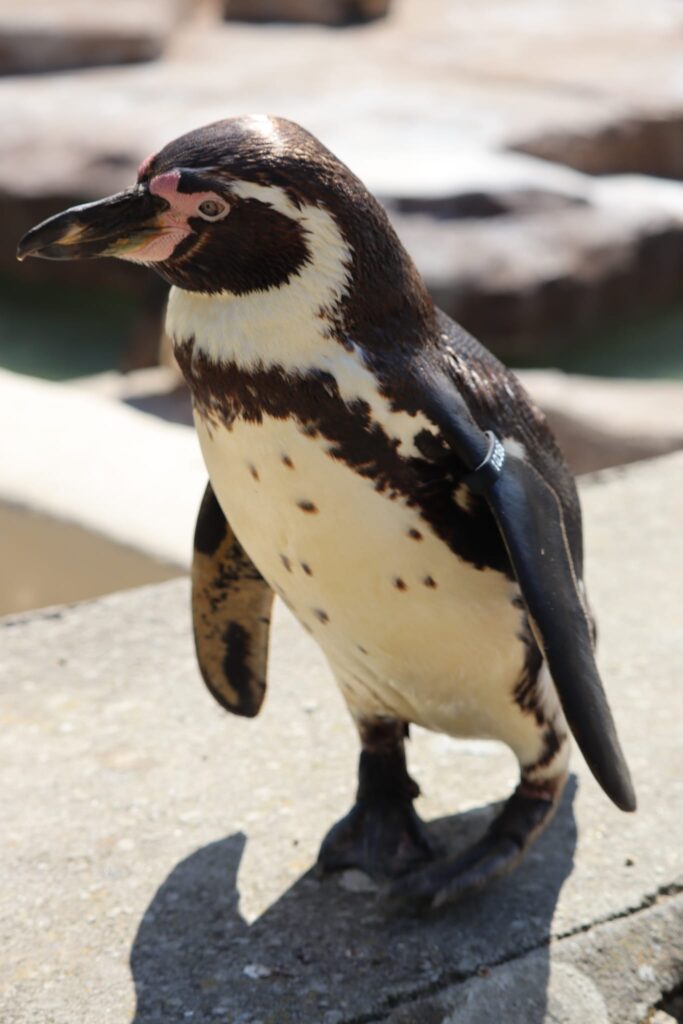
(645, 346)
(59, 332)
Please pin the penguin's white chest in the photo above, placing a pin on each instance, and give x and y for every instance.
(410, 629)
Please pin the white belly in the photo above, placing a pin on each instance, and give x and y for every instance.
(409, 629)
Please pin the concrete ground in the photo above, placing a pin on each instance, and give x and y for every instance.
(157, 851)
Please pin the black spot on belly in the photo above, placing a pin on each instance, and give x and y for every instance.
(414, 534)
(306, 568)
(429, 581)
(321, 615)
(254, 472)
(287, 462)
(400, 584)
(363, 650)
(286, 562)
(307, 506)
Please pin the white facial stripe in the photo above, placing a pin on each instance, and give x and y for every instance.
(270, 194)
(281, 326)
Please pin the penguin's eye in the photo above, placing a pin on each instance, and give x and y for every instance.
(212, 209)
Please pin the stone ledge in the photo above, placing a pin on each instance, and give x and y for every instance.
(48, 36)
(160, 849)
(107, 468)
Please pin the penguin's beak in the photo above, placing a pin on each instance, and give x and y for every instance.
(116, 226)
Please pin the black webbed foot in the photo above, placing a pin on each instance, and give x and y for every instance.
(383, 837)
(382, 834)
(522, 819)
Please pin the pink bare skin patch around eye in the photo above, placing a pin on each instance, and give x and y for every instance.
(173, 223)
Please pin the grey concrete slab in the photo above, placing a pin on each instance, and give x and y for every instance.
(159, 850)
(613, 973)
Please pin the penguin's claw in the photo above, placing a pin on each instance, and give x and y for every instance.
(384, 838)
(522, 819)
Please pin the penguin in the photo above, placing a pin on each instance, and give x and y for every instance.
(380, 471)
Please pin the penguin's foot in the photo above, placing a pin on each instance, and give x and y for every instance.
(522, 819)
(382, 836)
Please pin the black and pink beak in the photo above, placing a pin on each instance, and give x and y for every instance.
(120, 225)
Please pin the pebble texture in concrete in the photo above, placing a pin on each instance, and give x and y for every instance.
(159, 850)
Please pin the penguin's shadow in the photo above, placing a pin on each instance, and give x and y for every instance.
(321, 952)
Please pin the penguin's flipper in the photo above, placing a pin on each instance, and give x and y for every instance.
(231, 604)
(531, 522)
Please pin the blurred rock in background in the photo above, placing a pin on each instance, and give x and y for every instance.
(57, 35)
(323, 12)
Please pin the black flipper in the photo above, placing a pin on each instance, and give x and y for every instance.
(529, 516)
(231, 604)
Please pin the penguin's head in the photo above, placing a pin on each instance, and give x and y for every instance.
(245, 206)
(239, 206)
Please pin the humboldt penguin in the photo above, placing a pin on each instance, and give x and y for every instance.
(379, 470)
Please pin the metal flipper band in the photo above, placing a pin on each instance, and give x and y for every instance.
(488, 471)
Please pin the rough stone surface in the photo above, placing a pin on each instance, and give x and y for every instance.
(527, 283)
(48, 36)
(528, 990)
(611, 974)
(601, 422)
(426, 83)
(159, 849)
(324, 12)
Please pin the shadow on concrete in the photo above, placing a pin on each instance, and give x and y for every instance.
(173, 406)
(323, 955)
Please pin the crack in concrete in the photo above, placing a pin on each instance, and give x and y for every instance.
(664, 892)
